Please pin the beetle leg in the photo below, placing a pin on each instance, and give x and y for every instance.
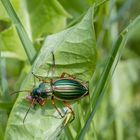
(53, 103)
(34, 82)
(53, 64)
(52, 68)
(32, 104)
(40, 78)
(41, 101)
(68, 105)
(64, 74)
(86, 83)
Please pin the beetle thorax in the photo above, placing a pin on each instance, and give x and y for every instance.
(41, 91)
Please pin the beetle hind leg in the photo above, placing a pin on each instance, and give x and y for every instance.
(59, 112)
(68, 106)
(63, 75)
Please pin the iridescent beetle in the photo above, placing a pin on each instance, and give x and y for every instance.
(66, 88)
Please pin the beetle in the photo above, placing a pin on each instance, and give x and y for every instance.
(66, 88)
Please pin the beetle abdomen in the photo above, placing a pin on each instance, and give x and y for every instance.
(69, 89)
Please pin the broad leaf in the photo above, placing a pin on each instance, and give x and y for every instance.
(75, 53)
(46, 17)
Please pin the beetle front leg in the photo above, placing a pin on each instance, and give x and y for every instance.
(63, 75)
(53, 103)
(32, 104)
(68, 105)
(41, 101)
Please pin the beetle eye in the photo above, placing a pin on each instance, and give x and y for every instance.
(35, 92)
(38, 91)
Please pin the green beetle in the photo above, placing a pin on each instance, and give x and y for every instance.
(66, 88)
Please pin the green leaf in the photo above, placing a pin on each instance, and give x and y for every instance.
(75, 7)
(46, 17)
(9, 42)
(75, 53)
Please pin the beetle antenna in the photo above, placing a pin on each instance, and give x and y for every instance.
(27, 113)
(16, 92)
(28, 110)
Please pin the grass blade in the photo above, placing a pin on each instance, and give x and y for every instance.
(111, 65)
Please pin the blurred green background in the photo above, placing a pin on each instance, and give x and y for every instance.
(118, 115)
